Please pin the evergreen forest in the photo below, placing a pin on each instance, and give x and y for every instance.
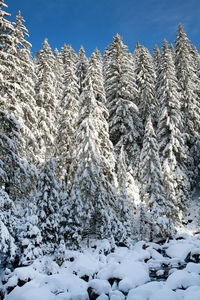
(105, 147)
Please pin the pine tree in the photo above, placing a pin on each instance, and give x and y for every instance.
(13, 171)
(46, 102)
(81, 68)
(136, 54)
(121, 93)
(171, 140)
(172, 51)
(8, 248)
(189, 87)
(93, 197)
(8, 212)
(48, 203)
(95, 72)
(154, 202)
(8, 62)
(25, 78)
(145, 79)
(59, 74)
(29, 236)
(156, 57)
(69, 107)
(124, 201)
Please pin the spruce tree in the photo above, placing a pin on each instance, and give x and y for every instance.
(46, 101)
(81, 68)
(26, 95)
(121, 93)
(156, 57)
(69, 107)
(8, 63)
(29, 235)
(124, 201)
(145, 79)
(171, 140)
(136, 54)
(48, 203)
(152, 194)
(95, 72)
(59, 74)
(93, 199)
(13, 171)
(189, 88)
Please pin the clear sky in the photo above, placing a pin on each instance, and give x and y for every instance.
(93, 23)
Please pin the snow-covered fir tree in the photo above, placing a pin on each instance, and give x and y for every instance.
(124, 201)
(145, 79)
(29, 236)
(156, 57)
(172, 148)
(13, 171)
(93, 197)
(46, 101)
(48, 204)
(81, 68)
(69, 107)
(189, 87)
(25, 94)
(121, 93)
(8, 224)
(136, 53)
(59, 73)
(152, 194)
(95, 72)
(8, 58)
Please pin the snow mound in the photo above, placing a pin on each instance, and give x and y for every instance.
(30, 293)
(144, 291)
(165, 294)
(100, 286)
(182, 279)
(179, 250)
(193, 268)
(192, 293)
(116, 295)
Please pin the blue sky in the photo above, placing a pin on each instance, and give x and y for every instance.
(93, 23)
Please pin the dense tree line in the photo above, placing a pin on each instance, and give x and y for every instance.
(94, 148)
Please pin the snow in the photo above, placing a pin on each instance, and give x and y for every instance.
(182, 279)
(179, 250)
(144, 291)
(111, 275)
(192, 267)
(100, 286)
(30, 293)
(164, 294)
(116, 295)
(192, 293)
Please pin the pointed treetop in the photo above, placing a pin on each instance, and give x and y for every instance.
(181, 33)
(165, 46)
(117, 37)
(137, 46)
(97, 53)
(46, 46)
(156, 49)
(81, 52)
(56, 52)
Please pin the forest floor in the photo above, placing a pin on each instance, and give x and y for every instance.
(145, 271)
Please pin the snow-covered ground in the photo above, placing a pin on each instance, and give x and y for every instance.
(143, 272)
